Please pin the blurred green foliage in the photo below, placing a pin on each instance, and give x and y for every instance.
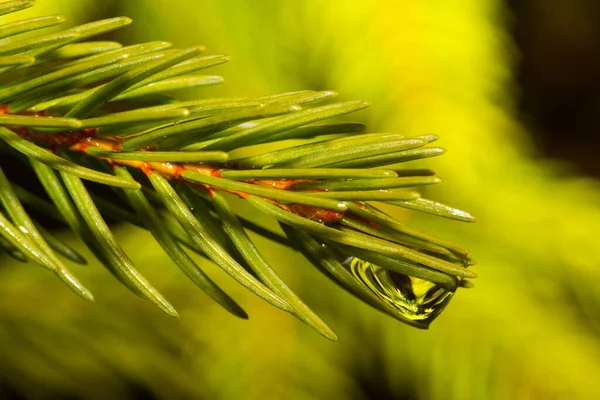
(530, 327)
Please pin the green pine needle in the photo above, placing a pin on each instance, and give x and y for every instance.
(72, 110)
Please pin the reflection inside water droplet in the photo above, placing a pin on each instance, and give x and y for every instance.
(415, 298)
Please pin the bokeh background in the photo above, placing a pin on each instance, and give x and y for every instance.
(512, 88)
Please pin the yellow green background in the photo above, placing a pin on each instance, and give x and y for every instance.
(528, 330)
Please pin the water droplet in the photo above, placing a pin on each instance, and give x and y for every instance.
(417, 299)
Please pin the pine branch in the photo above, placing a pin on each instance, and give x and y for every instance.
(77, 111)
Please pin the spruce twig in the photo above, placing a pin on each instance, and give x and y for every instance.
(58, 98)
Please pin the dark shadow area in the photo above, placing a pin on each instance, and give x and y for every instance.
(559, 78)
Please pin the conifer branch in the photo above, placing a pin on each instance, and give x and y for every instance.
(76, 111)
